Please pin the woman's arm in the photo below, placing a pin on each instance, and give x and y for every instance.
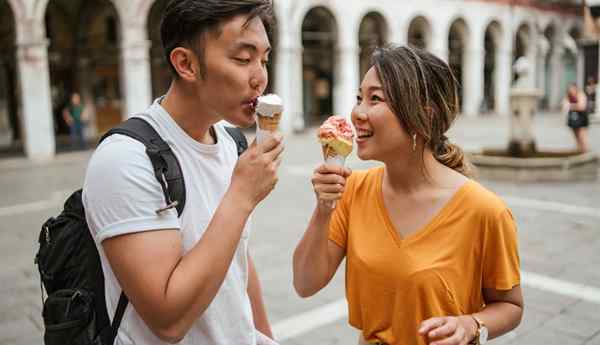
(502, 313)
(259, 312)
(316, 258)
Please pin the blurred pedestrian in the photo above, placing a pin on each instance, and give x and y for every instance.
(590, 92)
(575, 104)
(431, 255)
(76, 118)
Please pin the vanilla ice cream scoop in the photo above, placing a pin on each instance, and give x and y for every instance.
(269, 109)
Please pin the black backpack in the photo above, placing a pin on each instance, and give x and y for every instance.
(75, 312)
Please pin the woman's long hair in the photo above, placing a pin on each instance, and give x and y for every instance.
(421, 90)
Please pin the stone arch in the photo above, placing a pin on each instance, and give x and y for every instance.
(319, 42)
(10, 105)
(419, 33)
(492, 50)
(458, 43)
(372, 33)
(84, 57)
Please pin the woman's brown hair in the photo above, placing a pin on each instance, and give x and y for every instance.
(421, 90)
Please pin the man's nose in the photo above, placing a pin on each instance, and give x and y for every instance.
(259, 79)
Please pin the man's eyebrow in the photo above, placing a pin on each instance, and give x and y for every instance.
(248, 46)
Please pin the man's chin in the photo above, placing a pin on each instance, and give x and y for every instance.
(243, 121)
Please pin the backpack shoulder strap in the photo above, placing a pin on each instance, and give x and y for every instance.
(239, 138)
(114, 327)
(164, 162)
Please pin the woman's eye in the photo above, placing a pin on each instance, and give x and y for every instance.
(358, 99)
(265, 63)
(376, 98)
(242, 60)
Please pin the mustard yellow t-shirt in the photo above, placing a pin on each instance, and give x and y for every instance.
(394, 283)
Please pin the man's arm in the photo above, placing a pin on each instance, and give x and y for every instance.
(171, 289)
(259, 313)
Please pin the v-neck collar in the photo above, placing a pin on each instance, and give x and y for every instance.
(430, 225)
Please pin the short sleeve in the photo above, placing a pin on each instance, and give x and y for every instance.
(121, 193)
(500, 253)
(338, 226)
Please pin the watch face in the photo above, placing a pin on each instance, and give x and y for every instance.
(483, 335)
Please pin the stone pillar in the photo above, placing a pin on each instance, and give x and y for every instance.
(136, 78)
(346, 79)
(87, 96)
(503, 76)
(37, 122)
(288, 85)
(557, 68)
(473, 70)
(439, 44)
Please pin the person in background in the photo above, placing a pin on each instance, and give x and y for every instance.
(576, 107)
(431, 255)
(75, 117)
(590, 93)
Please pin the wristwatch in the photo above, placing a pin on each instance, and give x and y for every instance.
(481, 336)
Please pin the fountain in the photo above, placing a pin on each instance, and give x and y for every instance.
(521, 160)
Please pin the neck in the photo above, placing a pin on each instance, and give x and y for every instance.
(414, 174)
(188, 111)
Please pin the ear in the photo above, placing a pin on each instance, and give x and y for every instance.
(186, 64)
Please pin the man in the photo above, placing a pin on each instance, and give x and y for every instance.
(190, 280)
(75, 116)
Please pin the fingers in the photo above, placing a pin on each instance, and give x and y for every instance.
(444, 331)
(431, 324)
(458, 338)
(271, 142)
(333, 169)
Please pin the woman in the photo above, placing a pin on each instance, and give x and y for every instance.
(575, 103)
(431, 255)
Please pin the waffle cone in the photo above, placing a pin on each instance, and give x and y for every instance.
(269, 123)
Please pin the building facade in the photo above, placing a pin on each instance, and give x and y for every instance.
(109, 51)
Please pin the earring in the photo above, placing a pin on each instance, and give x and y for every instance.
(414, 137)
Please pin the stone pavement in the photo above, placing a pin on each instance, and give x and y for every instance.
(559, 231)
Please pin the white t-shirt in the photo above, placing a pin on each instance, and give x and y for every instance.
(121, 195)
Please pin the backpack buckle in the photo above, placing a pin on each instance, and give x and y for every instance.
(171, 204)
(168, 207)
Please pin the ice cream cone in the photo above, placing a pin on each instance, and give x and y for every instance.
(268, 115)
(335, 136)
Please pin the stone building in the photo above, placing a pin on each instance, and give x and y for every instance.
(109, 51)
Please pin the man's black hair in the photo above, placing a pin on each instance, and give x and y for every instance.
(184, 23)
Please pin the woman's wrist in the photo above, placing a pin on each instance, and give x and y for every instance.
(470, 326)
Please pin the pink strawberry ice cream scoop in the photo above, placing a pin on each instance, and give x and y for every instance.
(336, 136)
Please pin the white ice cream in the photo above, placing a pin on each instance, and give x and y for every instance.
(269, 105)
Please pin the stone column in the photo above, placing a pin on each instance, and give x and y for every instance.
(136, 79)
(288, 85)
(557, 71)
(439, 44)
(503, 79)
(473, 70)
(37, 122)
(346, 79)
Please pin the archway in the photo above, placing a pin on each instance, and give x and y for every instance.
(10, 133)
(573, 71)
(521, 45)
(84, 57)
(372, 34)
(419, 33)
(319, 40)
(550, 36)
(492, 39)
(457, 44)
